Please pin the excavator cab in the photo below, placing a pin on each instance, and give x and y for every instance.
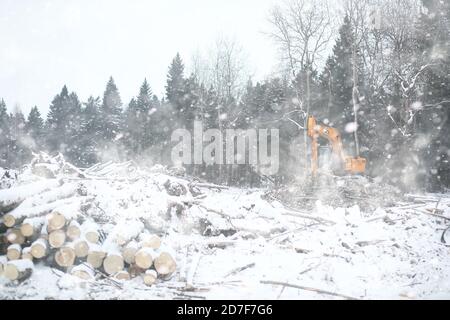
(351, 165)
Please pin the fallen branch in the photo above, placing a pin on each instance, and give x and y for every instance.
(211, 186)
(305, 216)
(433, 214)
(285, 284)
(240, 269)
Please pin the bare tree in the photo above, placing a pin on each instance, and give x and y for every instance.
(302, 30)
(223, 68)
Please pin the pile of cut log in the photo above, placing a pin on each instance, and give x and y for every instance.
(45, 222)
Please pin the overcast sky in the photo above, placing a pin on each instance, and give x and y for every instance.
(46, 44)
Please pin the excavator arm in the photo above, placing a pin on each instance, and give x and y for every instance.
(315, 130)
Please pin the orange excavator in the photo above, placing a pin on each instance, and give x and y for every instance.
(350, 165)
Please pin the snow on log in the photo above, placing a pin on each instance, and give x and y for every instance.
(83, 271)
(56, 221)
(73, 230)
(26, 254)
(18, 270)
(14, 252)
(96, 256)
(14, 236)
(20, 213)
(120, 235)
(150, 277)
(11, 198)
(57, 238)
(113, 263)
(144, 258)
(65, 191)
(81, 248)
(129, 252)
(150, 241)
(32, 226)
(165, 263)
(39, 249)
(65, 256)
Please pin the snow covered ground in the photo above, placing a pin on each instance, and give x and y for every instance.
(390, 253)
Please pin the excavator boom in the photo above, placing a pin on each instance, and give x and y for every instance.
(350, 165)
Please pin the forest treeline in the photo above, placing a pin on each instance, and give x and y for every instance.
(389, 67)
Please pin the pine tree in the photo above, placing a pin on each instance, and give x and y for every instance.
(19, 146)
(145, 108)
(175, 88)
(133, 130)
(90, 131)
(35, 126)
(111, 112)
(64, 125)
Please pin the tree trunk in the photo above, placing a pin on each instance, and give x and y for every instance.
(355, 98)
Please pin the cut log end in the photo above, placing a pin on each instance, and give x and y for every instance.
(95, 258)
(150, 277)
(113, 263)
(144, 258)
(57, 238)
(81, 249)
(14, 252)
(129, 253)
(83, 272)
(73, 232)
(153, 242)
(165, 264)
(122, 276)
(18, 270)
(14, 236)
(9, 220)
(92, 237)
(27, 229)
(56, 221)
(65, 257)
(39, 249)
